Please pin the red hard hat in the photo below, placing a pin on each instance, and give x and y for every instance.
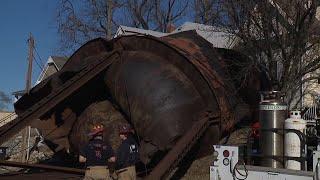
(125, 129)
(255, 130)
(96, 129)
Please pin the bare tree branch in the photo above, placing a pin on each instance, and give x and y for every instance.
(274, 34)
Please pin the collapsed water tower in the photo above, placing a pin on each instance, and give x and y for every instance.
(273, 113)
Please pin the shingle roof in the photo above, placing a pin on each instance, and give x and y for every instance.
(218, 37)
(125, 30)
(59, 61)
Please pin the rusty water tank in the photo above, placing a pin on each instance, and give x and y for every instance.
(159, 85)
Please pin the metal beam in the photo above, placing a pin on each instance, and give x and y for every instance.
(181, 148)
(57, 96)
(42, 166)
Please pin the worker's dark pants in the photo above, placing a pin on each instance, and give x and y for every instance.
(97, 173)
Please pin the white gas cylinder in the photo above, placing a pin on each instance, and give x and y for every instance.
(292, 143)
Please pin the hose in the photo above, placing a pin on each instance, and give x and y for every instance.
(317, 170)
(235, 169)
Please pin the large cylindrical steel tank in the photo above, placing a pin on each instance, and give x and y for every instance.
(273, 112)
(162, 86)
(292, 142)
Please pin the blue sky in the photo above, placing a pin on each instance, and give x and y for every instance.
(18, 18)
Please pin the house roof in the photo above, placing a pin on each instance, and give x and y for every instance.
(59, 61)
(218, 37)
(54, 64)
(125, 30)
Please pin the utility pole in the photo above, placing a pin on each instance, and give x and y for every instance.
(109, 18)
(30, 60)
(26, 131)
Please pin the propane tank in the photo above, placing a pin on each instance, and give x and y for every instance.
(272, 114)
(292, 142)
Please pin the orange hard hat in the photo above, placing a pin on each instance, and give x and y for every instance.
(96, 130)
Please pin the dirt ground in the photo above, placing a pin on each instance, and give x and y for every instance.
(199, 169)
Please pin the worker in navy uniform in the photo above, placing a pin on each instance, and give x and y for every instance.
(127, 155)
(96, 154)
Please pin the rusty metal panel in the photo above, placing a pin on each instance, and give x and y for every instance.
(176, 154)
(43, 166)
(54, 98)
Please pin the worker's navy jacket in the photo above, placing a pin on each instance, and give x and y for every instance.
(127, 154)
(97, 153)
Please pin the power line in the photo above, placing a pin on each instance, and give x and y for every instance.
(40, 67)
(43, 72)
(42, 62)
(33, 46)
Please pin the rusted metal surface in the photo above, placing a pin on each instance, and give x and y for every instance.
(196, 74)
(217, 84)
(157, 97)
(160, 86)
(40, 175)
(43, 166)
(54, 98)
(177, 153)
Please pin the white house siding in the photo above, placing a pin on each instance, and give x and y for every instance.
(312, 90)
